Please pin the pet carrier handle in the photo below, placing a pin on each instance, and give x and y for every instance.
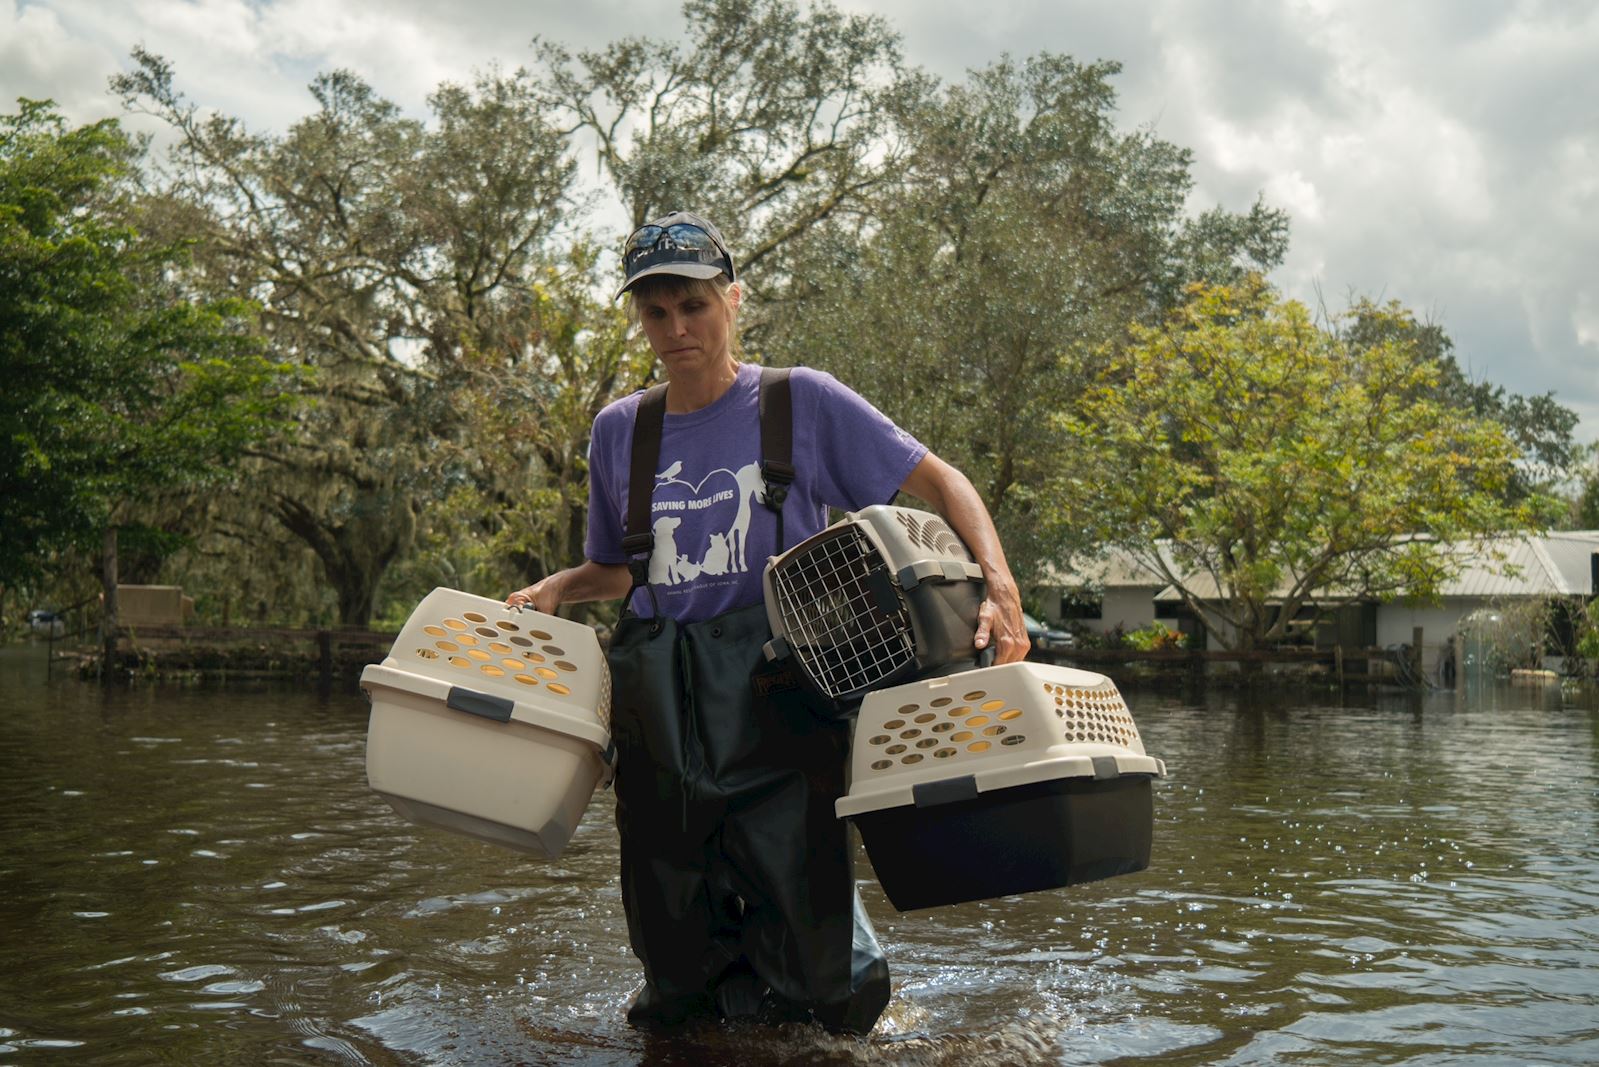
(937, 570)
(471, 701)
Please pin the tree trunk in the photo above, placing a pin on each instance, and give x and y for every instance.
(355, 553)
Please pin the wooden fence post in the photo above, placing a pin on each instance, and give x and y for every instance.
(108, 607)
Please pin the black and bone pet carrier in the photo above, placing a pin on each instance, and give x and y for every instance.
(998, 781)
(884, 595)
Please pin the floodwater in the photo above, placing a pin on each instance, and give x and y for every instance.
(200, 875)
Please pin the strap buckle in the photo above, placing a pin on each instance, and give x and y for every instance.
(778, 476)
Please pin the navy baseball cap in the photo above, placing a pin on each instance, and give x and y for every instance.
(681, 243)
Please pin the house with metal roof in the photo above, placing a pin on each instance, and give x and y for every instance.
(1117, 590)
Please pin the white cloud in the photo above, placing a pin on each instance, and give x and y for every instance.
(1442, 153)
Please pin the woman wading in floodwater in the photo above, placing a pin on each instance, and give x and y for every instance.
(736, 877)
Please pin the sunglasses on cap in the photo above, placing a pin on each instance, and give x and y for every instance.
(681, 242)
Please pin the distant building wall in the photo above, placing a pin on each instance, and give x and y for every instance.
(153, 605)
(1131, 608)
(1397, 621)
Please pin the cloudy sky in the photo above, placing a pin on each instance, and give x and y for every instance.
(1444, 153)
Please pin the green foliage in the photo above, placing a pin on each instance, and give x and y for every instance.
(395, 258)
(766, 118)
(1540, 427)
(119, 383)
(1583, 502)
(1503, 637)
(1255, 459)
(1587, 638)
(1155, 638)
(1025, 233)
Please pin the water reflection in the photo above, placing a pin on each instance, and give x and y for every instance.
(199, 875)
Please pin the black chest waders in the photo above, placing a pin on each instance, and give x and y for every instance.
(737, 879)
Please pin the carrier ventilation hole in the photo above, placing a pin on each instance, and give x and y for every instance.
(533, 657)
(964, 735)
(563, 665)
(912, 732)
(460, 661)
(524, 642)
(465, 639)
(957, 712)
(882, 765)
(993, 705)
(447, 646)
(526, 679)
(492, 671)
(1011, 713)
(944, 753)
(554, 651)
(478, 654)
(1014, 739)
(894, 750)
(881, 739)
(558, 689)
(427, 653)
(914, 757)
(927, 742)
(976, 694)
(979, 746)
(926, 716)
(977, 720)
(512, 665)
(893, 724)
(994, 731)
(545, 672)
(909, 709)
(540, 635)
(435, 631)
(942, 701)
(455, 624)
(506, 625)
(474, 616)
(501, 647)
(943, 727)
(487, 631)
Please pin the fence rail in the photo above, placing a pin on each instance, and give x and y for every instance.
(326, 641)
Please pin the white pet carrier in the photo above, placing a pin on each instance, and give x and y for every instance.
(883, 595)
(490, 722)
(997, 781)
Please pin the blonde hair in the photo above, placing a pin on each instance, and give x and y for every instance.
(668, 286)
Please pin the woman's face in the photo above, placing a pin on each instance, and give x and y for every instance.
(688, 330)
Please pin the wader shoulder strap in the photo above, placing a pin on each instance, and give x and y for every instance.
(638, 538)
(777, 441)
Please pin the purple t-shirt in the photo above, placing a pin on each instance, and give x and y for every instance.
(713, 531)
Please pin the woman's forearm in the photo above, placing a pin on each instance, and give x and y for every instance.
(587, 581)
(954, 497)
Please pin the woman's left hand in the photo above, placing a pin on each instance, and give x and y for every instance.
(999, 623)
(999, 619)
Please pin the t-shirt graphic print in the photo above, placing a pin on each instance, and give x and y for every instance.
(723, 502)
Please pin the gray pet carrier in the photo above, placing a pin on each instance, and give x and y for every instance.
(884, 595)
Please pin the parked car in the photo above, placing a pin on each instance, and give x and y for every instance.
(1047, 638)
(46, 623)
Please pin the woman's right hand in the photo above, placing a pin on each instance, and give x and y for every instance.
(543, 595)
